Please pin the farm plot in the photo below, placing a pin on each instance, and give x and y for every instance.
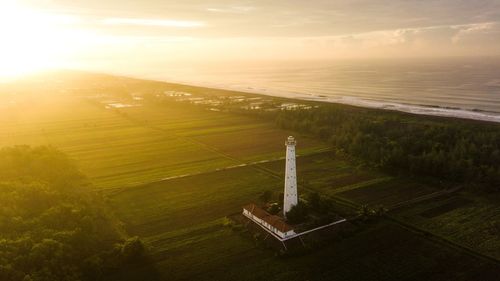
(211, 251)
(253, 144)
(326, 173)
(182, 220)
(111, 149)
(312, 166)
(120, 147)
(387, 192)
(242, 137)
(183, 202)
(464, 218)
(188, 120)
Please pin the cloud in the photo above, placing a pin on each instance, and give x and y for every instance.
(465, 32)
(153, 22)
(200, 30)
(234, 9)
(439, 34)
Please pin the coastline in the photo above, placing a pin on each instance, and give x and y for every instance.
(425, 110)
(415, 109)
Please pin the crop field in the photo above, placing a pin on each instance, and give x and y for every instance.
(334, 176)
(325, 172)
(387, 192)
(183, 202)
(237, 136)
(182, 220)
(109, 148)
(115, 149)
(173, 171)
(465, 219)
(210, 251)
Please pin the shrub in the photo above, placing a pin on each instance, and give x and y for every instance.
(297, 213)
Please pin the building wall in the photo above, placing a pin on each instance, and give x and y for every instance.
(290, 195)
(266, 225)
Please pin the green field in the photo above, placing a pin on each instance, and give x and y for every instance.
(185, 202)
(172, 172)
(182, 220)
(387, 192)
(336, 176)
(466, 219)
(118, 148)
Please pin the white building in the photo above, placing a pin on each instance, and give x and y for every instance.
(290, 195)
(272, 223)
(275, 224)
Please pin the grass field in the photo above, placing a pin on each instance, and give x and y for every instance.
(387, 192)
(165, 206)
(335, 176)
(182, 219)
(118, 148)
(466, 219)
(172, 172)
(327, 173)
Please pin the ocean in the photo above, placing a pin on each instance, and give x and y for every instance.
(454, 87)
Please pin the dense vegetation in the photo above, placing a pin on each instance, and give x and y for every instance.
(452, 150)
(51, 226)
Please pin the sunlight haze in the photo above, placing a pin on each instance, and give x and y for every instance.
(130, 36)
(245, 140)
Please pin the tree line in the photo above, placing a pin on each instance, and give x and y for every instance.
(450, 150)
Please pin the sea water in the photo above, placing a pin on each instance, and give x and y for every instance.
(455, 87)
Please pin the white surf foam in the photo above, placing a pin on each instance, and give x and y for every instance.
(356, 101)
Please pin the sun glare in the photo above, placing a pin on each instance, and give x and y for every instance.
(31, 40)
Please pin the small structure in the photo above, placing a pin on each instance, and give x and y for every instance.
(276, 225)
(290, 195)
(272, 223)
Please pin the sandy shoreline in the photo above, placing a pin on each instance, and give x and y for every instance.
(430, 110)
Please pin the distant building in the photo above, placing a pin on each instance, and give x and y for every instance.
(273, 223)
(290, 195)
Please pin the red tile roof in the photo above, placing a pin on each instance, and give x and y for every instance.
(256, 211)
(272, 220)
(278, 223)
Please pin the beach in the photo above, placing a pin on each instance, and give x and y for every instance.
(453, 87)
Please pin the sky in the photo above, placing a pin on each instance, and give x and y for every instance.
(112, 35)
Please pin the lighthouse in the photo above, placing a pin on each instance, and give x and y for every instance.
(290, 195)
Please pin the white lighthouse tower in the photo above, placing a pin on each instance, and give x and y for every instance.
(290, 194)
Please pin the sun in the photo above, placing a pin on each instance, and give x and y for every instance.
(30, 40)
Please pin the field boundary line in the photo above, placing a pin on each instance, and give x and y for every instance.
(425, 233)
(360, 185)
(443, 240)
(424, 198)
(255, 165)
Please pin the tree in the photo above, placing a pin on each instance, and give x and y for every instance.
(366, 213)
(314, 201)
(52, 226)
(454, 151)
(133, 249)
(297, 213)
(266, 196)
(274, 209)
